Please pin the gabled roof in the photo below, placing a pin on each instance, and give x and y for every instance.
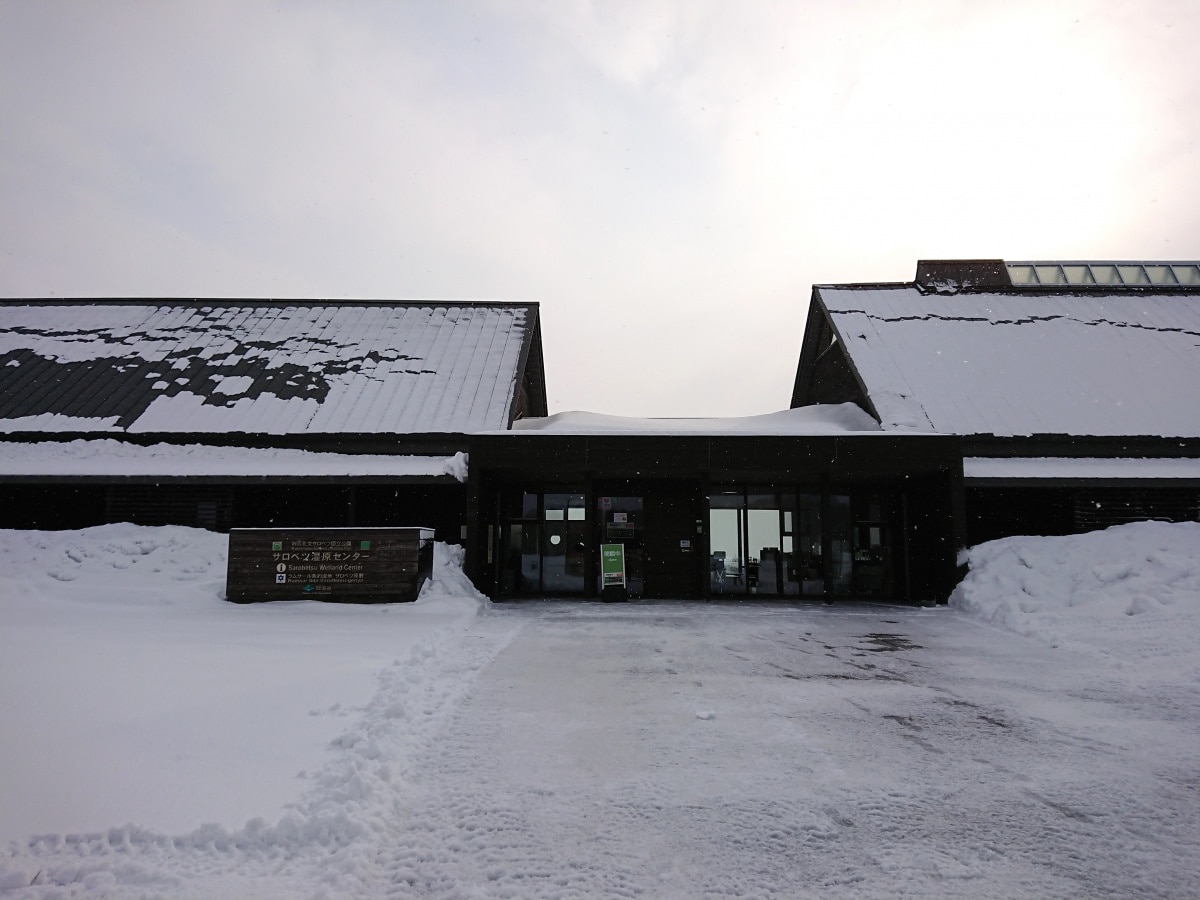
(1016, 360)
(279, 367)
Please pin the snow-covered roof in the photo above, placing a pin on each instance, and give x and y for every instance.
(810, 420)
(995, 363)
(269, 367)
(109, 458)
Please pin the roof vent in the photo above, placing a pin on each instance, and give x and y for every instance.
(949, 276)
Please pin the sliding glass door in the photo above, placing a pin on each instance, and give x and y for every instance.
(544, 541)
(752, 543)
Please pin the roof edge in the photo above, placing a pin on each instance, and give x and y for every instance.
(260, 301)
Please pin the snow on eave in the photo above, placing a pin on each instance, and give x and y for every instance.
(833, 419)
(110, 458)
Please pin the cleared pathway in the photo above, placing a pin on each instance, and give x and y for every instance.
(703, 750)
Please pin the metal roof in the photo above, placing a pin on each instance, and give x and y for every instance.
(265, 367)
(1027, 363)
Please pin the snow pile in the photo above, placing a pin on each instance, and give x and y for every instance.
(130, 692)
(114, 564)
(456, 466)
(1131, 592)
(448, 585)
(839, 418)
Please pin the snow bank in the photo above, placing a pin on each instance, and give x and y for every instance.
(130, 692)
(448, 585)
(114, 564)
(1131, 592)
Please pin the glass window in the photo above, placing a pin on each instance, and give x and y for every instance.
(751, 545)
(1161, 275)
(564, 506)
(870, 560)
(1018, 274)
(725, 548)
(763, 545)
(520, 561)
(1079, 275)
(810, 563)
(726, 500)
(726, 559)
(1050, 275)
(542, 552)
(519, 505)
(1187, 274)
(1133, 275)
(841, 543)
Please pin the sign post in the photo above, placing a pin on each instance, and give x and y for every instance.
(612, 572)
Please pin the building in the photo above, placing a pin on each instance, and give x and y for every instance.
(979, 400)
(815, 502)
(226, 413)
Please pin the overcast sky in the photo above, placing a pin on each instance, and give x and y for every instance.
(668, 179)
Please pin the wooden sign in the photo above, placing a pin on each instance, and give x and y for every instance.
(340, 565)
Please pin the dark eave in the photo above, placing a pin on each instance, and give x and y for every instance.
(818, 326)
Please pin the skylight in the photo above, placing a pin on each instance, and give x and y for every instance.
(1096, 274)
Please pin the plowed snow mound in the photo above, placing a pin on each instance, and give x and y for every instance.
(1131, 592)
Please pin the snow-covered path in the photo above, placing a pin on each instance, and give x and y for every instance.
(692, 750)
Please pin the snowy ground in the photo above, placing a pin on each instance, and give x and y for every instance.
(1038, 738)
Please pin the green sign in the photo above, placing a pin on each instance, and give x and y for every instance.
(612, 564)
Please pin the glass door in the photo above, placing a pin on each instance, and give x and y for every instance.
(873, 545)
(564, 543)
(763, 544)
(726, 544)
(543, 543)
(752, 543)
(520, 559)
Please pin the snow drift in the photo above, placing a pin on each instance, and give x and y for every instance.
(132, 692)
(1131, 592)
